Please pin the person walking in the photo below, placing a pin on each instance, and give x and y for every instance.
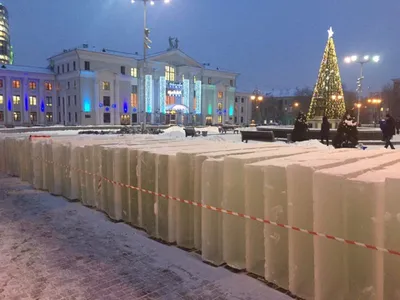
(325, 128)
(389, 130)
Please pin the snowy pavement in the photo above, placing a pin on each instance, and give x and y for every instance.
(53, 249)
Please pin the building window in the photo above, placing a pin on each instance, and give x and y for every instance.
(123, 70)
(194, 79)
(69, 100)
(87, 65)
(63, 70)
(236, 100)
(1, 83)
(1, 116)
(134, 89)
(241, 109)
(106, 85)
(33, 116)
(231, 82)
(75, 100)
(134, 72)
(220, 95)
(242, 100)
(106, 101)
(241, 119)
(32, 100)
(17, 116)
(169, 73)
(209, 80)
(74, 65)
(16, 99)
(48, 86)
(68, 85)
(58, 69)
(32, 85)
(59, 117)
(74, 84)
(134, 100)
(59, 101)
(1, 99)
(49, 101)
(49, 117)
(69, 117)
(219, 119)
(107, 118)
(67, 67)
(16, 84)
(88, 116)
(76, 117)
(219, 106)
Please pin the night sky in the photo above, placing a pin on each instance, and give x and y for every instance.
(271, 43)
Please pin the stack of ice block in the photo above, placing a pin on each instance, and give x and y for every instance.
(349, 194)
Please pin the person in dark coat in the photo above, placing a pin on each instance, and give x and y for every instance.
(347, 132)
(325, 127)
(300, 131)
(398, 126)
(389, 130)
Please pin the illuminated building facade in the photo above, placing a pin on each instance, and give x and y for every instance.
(103, 87)
(6, 53)
(27, 96)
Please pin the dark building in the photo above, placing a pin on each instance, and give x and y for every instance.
(6, 54)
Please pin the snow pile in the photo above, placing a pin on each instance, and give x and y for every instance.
(312, 143)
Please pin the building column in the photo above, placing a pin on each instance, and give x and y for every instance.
(97, 111)
(40, 99)
(25, 98)
(115, 116)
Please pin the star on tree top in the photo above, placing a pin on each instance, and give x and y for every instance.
(330, 32)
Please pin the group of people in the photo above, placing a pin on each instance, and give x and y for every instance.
(347, 132)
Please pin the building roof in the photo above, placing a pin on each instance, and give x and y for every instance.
(85, 47)
(27, 69)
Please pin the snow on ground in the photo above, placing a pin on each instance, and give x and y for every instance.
(54, 249)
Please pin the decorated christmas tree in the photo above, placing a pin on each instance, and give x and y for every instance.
(327, 99)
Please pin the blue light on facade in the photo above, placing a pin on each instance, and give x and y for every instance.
(125, 107)
(26, 103)
(134, 109)
(209, 109)
(231, 110)
(224, 111)
(42, 106)
(107, 108)
(114, 106)
(149, 93)
(197, 88)
(86, 105)
(162, 96)
(100, 104)
(9, 106)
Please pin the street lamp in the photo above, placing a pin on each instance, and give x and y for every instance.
(146, 42)
(257, 98)
(362, 60)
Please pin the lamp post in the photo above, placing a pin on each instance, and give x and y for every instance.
(257, 98)
(362, 60)
(358, 105)
(375, 103)
(146, 44)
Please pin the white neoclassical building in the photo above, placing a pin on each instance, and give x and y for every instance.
(88, 86)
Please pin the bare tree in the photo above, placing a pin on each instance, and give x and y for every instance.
(389, 99)
(350, 97)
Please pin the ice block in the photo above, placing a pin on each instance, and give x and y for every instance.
(391, 237)
(300, 214)
(211, 224)
(234, 242)
(330, 218)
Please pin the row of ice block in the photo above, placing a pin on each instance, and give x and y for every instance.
(350, 194)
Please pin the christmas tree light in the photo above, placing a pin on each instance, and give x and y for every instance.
(327, 99)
